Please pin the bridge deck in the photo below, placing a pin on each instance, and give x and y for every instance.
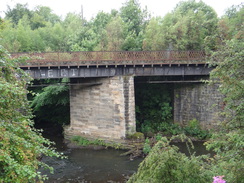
(106, 58)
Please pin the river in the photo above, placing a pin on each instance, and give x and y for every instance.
(89, 166)
(95, 166)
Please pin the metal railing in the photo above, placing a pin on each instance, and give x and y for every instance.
(90, 58)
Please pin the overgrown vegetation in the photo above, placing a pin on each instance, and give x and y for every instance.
(129, 28)
(20, 143)
(165, 164)
(154, 113)
(51, 103)
(228, 142)
(82, 141)
(191, 25)
(153, 106)
(193, 130)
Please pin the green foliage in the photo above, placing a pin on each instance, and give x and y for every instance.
(18, 12)
(231, 24)
(147, 128)
(2, 24)
(154, 113)
(43, 15)
(189, 26)
(166, 164)
(115, 33)
(170, 129)
(82, 141)
(135, 26)
(37, 18)
(50, 95)
(228, 159)
(130, 9)
(154, 35)
(193, 129)
(227, 143)
(229, 72)
(136, 136)
(153, 106)
(52, 104)
(147, 146)
(186, 28)
(20, 144)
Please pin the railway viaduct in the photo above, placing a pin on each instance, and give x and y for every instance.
(102, 100)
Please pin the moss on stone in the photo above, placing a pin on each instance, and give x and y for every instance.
(136, 136)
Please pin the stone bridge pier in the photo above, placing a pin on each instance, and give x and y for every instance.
(199, 101)
(104, 109)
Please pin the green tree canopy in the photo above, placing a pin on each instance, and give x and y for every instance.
(18, 12)
(227, 142)
(186, 28)
(41, 16)
(135, 20)
(20, 144)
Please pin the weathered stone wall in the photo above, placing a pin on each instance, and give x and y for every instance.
(103, 111)
(200, 101)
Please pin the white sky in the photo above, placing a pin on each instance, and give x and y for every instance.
(92, 7)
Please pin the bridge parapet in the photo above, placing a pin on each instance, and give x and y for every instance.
(101, 58)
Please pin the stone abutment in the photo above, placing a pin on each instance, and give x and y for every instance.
(104, 111)
(106, 108)
(199, 101)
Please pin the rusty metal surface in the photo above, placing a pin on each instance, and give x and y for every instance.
(91, 72)
(111, 58)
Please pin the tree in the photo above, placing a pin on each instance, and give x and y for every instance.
(133, 16)
(166, 164)
(228, 59)
(187, 27)
(100, 22)
(54, 37)
(51, 105)
(41, 16)
(9, 34)
(98, 25)
(154, 35)
(227, 141)
(115, 33)
(21, 144)
(18, 12)
(231, 24)
(135, 20)
(2, 24)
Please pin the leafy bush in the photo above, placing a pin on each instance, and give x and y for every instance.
(193, 129)
(146, 127)
(82, 141)
(85, 142)
(166, 164)
(153, 105)
(169, 128)
(146, 147)
(20, 143)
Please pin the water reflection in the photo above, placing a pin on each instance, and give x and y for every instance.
(97, 166)
(199, 148)
(91, 166)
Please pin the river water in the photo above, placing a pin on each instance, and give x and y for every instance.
(96, 166)
(90, 166)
